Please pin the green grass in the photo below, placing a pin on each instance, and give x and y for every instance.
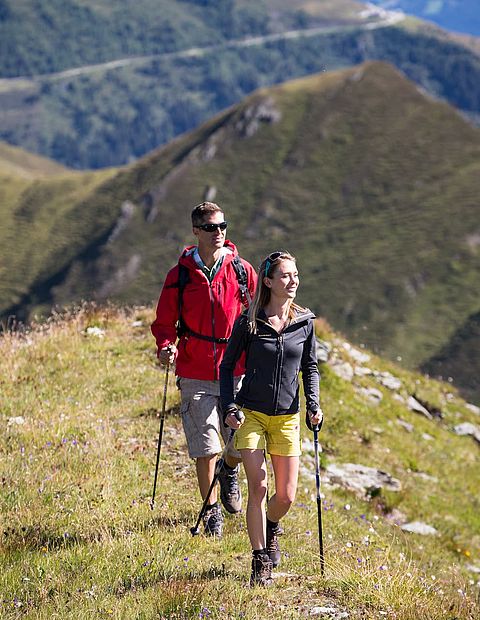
(79, 539)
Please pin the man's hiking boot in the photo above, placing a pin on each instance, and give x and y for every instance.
(272, 546)
(261, 570)
(213, 521)
(230, 493)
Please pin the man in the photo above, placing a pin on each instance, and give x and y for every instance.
(200, 300)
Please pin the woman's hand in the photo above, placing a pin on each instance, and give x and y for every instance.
(316, 417)
(234, 418)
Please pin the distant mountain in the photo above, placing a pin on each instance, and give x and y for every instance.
(370, 183)
(456, 15)
(187, 62)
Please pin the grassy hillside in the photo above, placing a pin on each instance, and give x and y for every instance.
(36, 198)
(79, 405)
(111, 116)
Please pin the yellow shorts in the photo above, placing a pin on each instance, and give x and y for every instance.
(279, 434)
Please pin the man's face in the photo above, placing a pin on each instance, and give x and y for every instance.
(211, 241)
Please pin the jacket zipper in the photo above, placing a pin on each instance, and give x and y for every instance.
(278, 371)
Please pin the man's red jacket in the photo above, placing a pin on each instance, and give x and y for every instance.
(208, 308)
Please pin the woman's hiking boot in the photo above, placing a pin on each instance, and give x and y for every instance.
(213, 521)
(230, 493)
(272, 546)
(261, 569)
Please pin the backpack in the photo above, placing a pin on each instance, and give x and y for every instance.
(183, 279)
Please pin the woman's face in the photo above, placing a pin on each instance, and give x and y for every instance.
(283, 282)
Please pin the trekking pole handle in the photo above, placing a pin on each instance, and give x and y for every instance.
(234, 410)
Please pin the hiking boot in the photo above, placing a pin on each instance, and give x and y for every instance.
(230, 493)
(213, 521)
(272, 546)
(261, 570)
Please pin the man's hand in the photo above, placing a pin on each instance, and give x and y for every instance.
(234, 417)
(168, 354)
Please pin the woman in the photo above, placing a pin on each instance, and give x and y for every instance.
(279, 340)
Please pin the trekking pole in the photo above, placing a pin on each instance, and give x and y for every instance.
(218, 468)
(160, 434)
(316, 429)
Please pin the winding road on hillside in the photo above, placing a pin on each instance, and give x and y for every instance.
(384, 20)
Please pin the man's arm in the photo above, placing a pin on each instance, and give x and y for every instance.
(163, 328)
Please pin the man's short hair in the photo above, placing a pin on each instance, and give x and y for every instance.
(202, 210)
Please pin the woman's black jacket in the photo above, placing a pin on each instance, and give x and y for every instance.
(273, 362)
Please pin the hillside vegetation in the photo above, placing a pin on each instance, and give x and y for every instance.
(107, 116)
(370, 183)
(79, 407)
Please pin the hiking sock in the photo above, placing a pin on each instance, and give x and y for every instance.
(272, 524)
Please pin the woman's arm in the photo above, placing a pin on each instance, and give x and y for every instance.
(310, 374)
(237, 343)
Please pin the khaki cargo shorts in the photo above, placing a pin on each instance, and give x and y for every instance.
(202, 419)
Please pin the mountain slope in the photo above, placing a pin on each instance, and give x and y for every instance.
(370, 183)
(36, 196)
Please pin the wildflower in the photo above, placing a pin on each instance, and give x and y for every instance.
(308, 533)
(205, 612)
(347, 507)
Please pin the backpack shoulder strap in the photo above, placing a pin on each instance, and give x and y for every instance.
(242, 278)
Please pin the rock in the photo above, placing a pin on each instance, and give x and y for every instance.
(18, 420)
(427, 437)
(406, 425)
(362, 480)
(373, 395)
(424, 476)
(343, 370)
(95, 331)
(399, 398)
(355, 354)
(323, 351)
(473, 408)
(414, 405)
(263, 111)
(417, 527)
(473, 569)
(389, 381)
(363, 371)
(467, 428)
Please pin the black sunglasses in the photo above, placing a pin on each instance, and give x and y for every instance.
(212, 227)
(271, 258)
